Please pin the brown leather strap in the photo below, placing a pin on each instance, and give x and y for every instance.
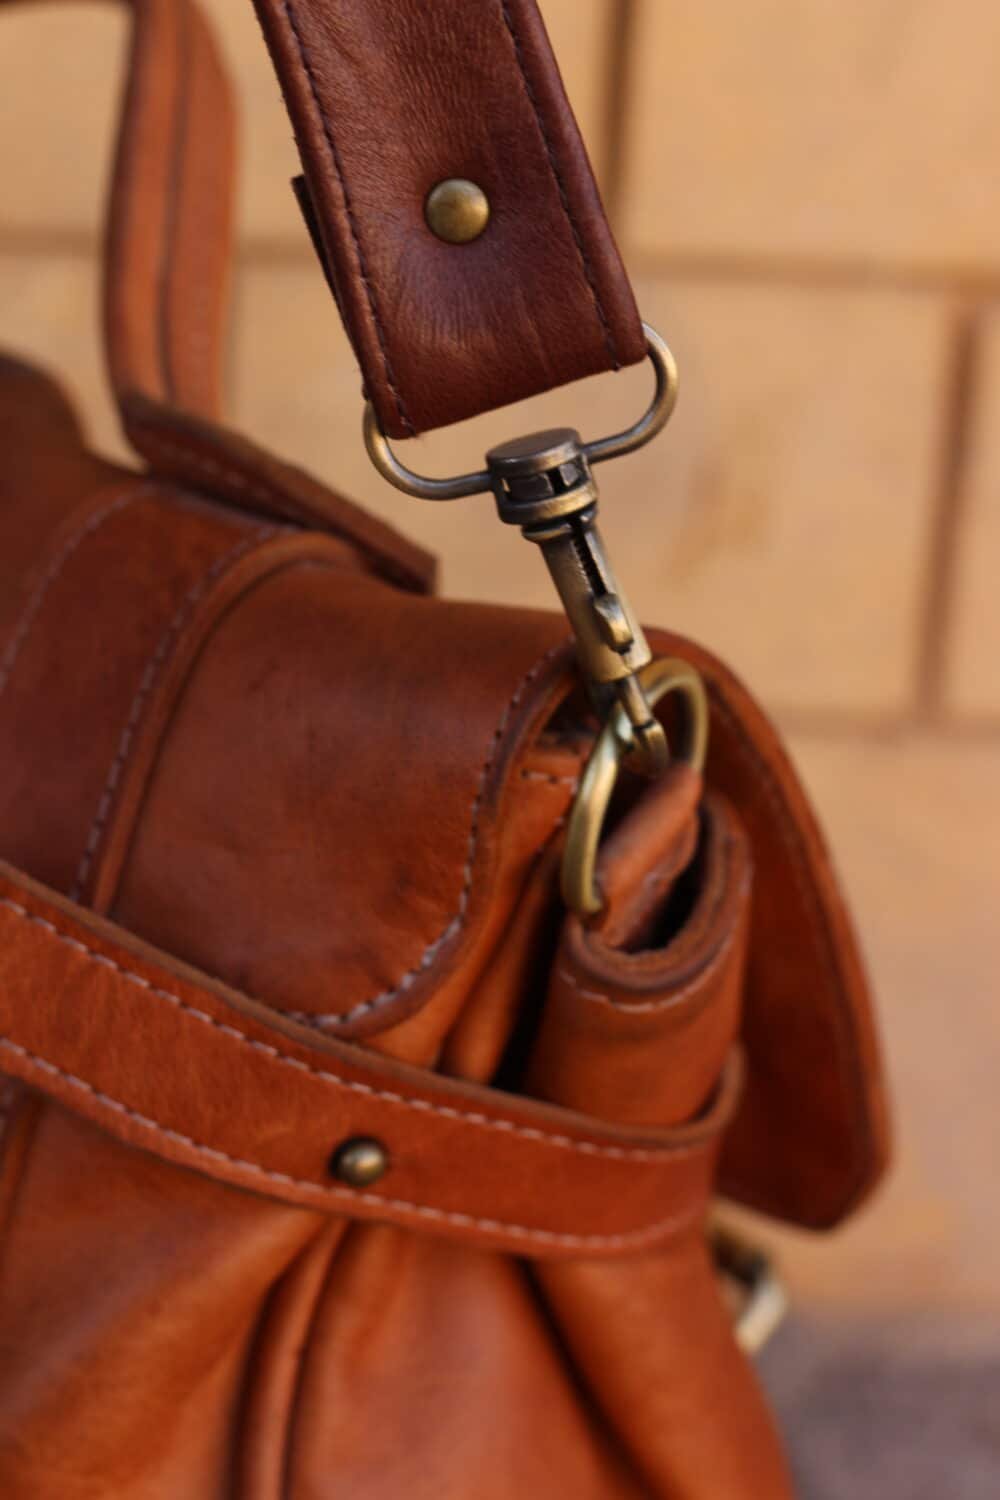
(168, 227)
(166, 273)
(169, 224)
(168, 1060)
(390, 97)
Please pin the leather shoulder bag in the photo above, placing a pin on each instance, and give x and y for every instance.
(386, 991)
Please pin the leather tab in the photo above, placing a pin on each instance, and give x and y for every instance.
(170, 1061)
(388, 99)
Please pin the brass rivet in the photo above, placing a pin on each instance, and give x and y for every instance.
(457, 210)
(360, 1161)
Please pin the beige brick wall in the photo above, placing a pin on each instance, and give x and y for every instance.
(807, 196)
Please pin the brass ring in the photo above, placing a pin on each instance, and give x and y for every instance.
(652, 421)
(586, 820)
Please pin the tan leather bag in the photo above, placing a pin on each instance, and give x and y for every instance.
(338, 1157)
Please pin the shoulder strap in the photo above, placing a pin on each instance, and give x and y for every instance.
(391, 98)
(170, 1061)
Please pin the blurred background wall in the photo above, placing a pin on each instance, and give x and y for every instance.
(807, 193)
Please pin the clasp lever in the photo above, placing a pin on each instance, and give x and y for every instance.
(544, 484)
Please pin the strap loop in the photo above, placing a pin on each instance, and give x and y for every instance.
(170, 1061)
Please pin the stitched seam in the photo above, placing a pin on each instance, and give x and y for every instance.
(33, 607)
(550, 778)
(550, 151)
(362, 267)
(274, 497)
(457, 922)
(643, 963)
(208, 466)
(147, 681)
(352, 1086)
(707, 974)
(636, 1237)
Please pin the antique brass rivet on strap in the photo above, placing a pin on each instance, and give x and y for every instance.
(360, 1161)
(457, 210)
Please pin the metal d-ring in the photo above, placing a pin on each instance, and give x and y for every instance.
(615, 741)
(653, 420)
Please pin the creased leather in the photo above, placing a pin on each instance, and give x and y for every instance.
(260, 748)
(461, 1162)
(639, 1030)
(229, 745)
(445, 331)
(166, 276)
(237, 835)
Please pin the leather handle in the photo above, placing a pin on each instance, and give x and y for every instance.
(390, 97)
(166, 273)
(169, 216)
(170, 1061)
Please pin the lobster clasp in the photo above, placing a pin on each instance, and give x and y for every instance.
(544, 484)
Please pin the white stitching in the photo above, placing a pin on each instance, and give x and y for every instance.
(380, 552)
(667, 1002)
(267, 495)
(32, 608)
(631, 1239)
(509, 1127)
(550, 778)
(146, 682)
(457, 922)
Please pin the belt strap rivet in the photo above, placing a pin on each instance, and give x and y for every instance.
(360, 1161)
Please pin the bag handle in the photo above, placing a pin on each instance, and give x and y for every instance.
(452, 202)
(169, 225)
(168, 1060)
(166, 274)
(167, 229)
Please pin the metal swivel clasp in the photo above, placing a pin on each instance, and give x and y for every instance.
(544, 484)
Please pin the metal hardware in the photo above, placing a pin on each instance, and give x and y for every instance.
(653, 420)
(457, 210)
(614, 743)
(761, 1299)
(544, 485)
(360, 1161)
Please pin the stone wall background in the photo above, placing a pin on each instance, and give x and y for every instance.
(808, 197)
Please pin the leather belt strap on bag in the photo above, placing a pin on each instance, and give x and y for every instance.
(263, 1104)
(452, 201)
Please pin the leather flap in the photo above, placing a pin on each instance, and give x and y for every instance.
(334, 795)
(811, 1138)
